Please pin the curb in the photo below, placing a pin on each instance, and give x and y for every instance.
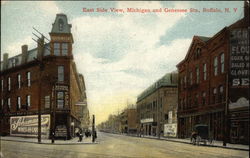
(176, 141)
(45, 143)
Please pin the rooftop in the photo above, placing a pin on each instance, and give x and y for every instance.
(169, 79)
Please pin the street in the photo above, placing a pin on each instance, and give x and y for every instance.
(112, 145)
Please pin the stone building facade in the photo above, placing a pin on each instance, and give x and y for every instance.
(45, 76)
(157, 106)
(207, 91)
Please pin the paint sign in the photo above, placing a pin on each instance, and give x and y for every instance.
(28, 125)
(239, 57)
(170, 130)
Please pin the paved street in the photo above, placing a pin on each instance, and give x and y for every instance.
(111, 145)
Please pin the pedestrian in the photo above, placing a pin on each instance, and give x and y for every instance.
(80, 137)
(95, 134)
(193, 137)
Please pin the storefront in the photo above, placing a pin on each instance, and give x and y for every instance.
(239, 126)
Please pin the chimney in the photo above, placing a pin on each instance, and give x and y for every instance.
(5, 61)
(24, 53)
(40, 48)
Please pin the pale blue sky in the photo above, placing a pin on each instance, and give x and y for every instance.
(119, 54)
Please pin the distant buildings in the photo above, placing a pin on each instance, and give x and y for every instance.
(157, 107)
(45, 76)
(128, 121)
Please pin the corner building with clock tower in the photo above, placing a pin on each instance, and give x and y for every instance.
(45, 76)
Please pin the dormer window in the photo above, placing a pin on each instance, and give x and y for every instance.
(60, 23)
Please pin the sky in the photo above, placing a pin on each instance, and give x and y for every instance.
(119, 54)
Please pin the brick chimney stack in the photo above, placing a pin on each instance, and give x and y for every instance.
(24, 53)
(5, 60)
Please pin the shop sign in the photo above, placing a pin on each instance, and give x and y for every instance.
(147, 120)
(28, 125)
(170, 130)
(61, 131)
(61, 88)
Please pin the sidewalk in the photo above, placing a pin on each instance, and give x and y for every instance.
(48, 141)
(187, 141)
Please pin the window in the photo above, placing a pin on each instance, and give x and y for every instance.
(204, 72)
(47, 102)
(28, 101)
(203, 98)
(13, 62)
(60, 73)
(198, 52)
(215, 66)
(166, 116)
(18, 103)
(214, 95)
(60, 23)
(181, 83)
(19, 81)
(9, 83)
(221, 98)
(184, 103)
(197, 75)
(60, 99)
(57, 49)
(185, 80)
(64, 49)
(191, 78)
(196, 99)
(28, 79)
(222, 63)
(2, 85)
(2, 103)
(9, 103)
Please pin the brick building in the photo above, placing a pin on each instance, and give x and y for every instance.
(128, 121)
(208, 89)
(45, 76)
(157, 105)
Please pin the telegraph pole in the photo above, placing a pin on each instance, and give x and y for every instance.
(93, 129)
(41, 67)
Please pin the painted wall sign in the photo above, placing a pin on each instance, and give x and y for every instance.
(239, 69)
(28, 125)
(239, 57)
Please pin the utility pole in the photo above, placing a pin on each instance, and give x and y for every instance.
(158, 111)
(93, 129)
(41, 67)
(54, 115)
